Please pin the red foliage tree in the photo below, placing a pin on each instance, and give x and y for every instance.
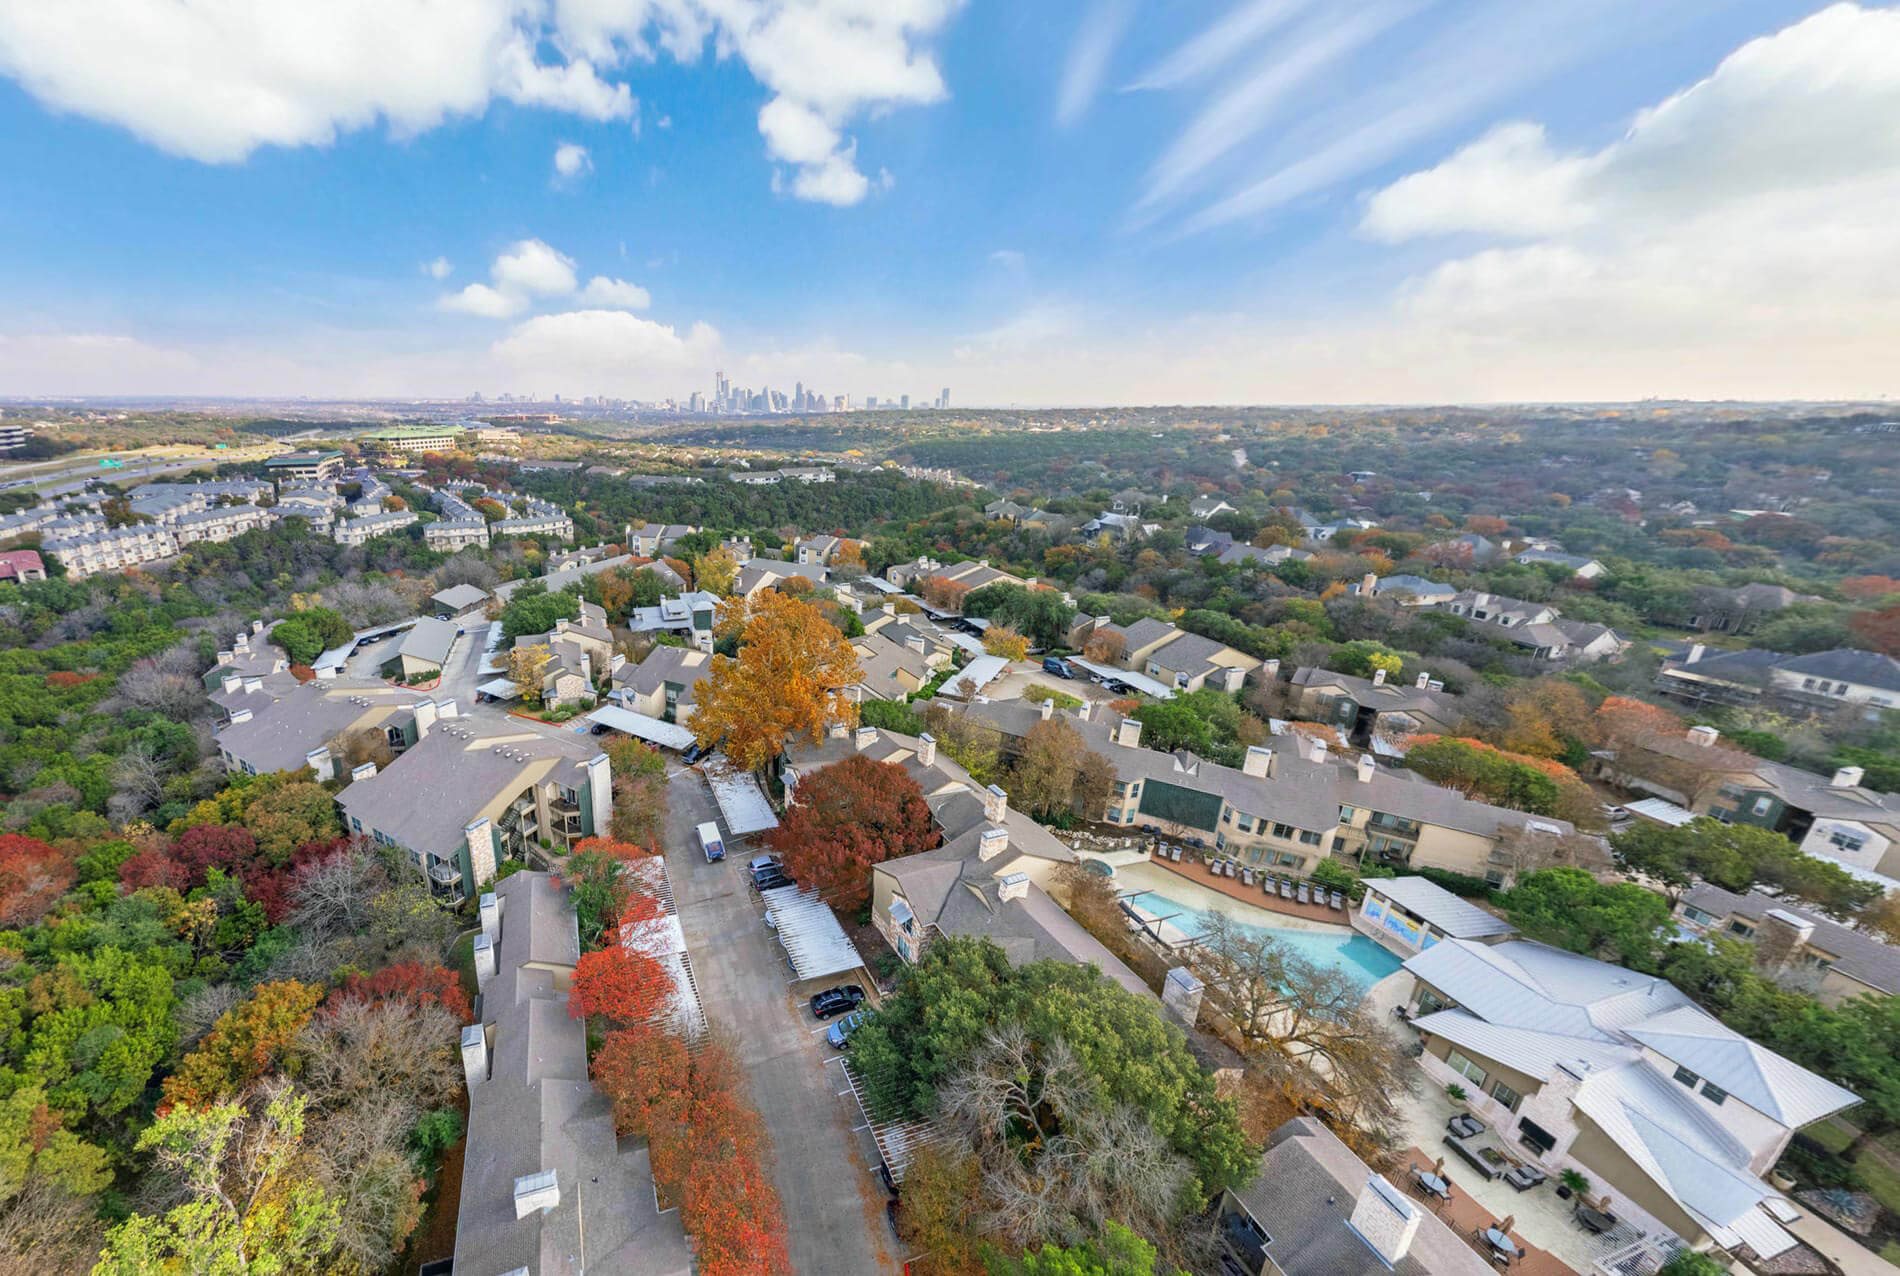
(33, 876)
(153, 866)
(409, 981)
(1880, 630)
(618, 983)
(646, 1074)
(206, 846)
(848, 817)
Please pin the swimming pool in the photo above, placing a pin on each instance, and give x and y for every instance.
(1363, 961)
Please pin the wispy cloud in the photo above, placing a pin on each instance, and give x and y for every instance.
(1088, 58)
(1218, 44)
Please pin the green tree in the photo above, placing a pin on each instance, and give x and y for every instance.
(531, 611)
(96, 1025)
(1737, 857)
(1117, 1252)
(1569, 908)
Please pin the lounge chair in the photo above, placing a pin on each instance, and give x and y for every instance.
(1174, 853)
(1464, 1126)
(1524, 1177)
(1270, 885)
(1246, 877)
(1305, 895)
(1286, 889)
(1336, 900)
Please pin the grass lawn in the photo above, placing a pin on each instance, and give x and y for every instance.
(1832, 1135)
(1881, 1180)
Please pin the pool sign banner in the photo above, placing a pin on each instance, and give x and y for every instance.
(1404, 927)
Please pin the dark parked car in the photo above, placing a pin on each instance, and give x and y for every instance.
(1057, 666)
(694, 752)
(836, 1001)
(769, 881)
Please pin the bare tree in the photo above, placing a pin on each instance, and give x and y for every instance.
(332, 896)
(198, 1012)
(466, 568)
(47, 1231)
(153, 684)
(368, 603)
(138, 783)
(366, 744)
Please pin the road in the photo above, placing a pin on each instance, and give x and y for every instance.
(825, 1171)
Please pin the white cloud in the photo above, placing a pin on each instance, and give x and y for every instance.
(665, 121)
(1088, 61)
(214, 80)
(1219, 42)
(529, 267)
(438, 269)
(795, 133)
(571, 160)
(836, 181)
(485, 302)
(609, 352)
(602, 291)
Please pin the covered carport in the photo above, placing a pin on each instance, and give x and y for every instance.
(641, 726)
(741, 801)
(814, 942)
(1139, 681)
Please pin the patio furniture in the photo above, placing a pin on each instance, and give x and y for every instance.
(1469, 1155)
(1524, 1177)
(1464, 1126)
(1303, 894)
(1497, 1241)
(1335, 900)
(1269, 884)
(1286, 889)
(1246, 877)
(1174, 853)
(1433, 1185)
(1592, 1220)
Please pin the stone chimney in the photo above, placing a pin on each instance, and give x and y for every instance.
(232, 684)
(320, 761)
(480, 834)
(1384, 1218)
(425, 711)
(1048, 708)
(866, 737)
(257, 626)
(889, 609)
(600, 794)
(1128, 732)
(536, 1193)
(1012, 886)
(991, 843)
(474, 1055)
(1369, 584)
(366, 771)
(1258, 762)
(1378, 677)
(1705, 736)
(1847, 777)
(1423, 680)
(1366, 766)
(484, 954)
(926, 749)
(1780, 938)
(995, 804)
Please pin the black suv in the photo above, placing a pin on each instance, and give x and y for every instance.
(836, 1001)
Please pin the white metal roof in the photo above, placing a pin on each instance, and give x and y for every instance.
(810, 933)
(1661, 812)
(1754, 1074)
(740, 799)
(975, 676)
(500, 688)
(1139, 681)
(642, 726)
(1459, 918)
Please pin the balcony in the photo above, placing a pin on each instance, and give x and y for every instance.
(1392, 826)
(443, 873)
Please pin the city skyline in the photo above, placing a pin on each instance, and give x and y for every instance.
(1089, 203)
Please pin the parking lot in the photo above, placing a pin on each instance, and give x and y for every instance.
(826, 1165)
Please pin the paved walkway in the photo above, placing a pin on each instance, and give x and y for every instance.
(1234, 888)
(825, 1169)
(1852, 1257)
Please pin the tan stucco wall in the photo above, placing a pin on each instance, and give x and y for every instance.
(1613, 1173)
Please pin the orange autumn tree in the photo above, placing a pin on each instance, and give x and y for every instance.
(789, 680)
(245, 1043)
(619, 983)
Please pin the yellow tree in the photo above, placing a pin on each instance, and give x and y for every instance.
(1001, 640)
(716, 571)
(789, 679)
(524, 670)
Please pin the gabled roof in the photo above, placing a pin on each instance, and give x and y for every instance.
(1868, 668)
(1521, 984)
(459, 597)
(1426, 899)
(1856, 954)
(1754, 1074)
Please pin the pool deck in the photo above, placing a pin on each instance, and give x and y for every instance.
(1232, 888)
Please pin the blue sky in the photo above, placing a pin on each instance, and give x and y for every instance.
(1113, 201)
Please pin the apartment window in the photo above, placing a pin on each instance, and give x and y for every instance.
(1714, 1093)
(1244, 824)
(1847, 840)
(1220, 841)
(1696, 915)
(1346, 813)
(1114, 816)
(1227, 816)
(1687, 1077)
(1466, 1068)
(1763, 805)
(569, 796)
(1741, 928)
(1494, 878)
(1505, 1095)
(1283, 830)
(1308, 838)
(1807, 684)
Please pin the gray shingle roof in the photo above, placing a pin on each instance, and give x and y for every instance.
(1856, 954)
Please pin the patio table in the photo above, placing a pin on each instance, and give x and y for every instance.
(1432, 1184)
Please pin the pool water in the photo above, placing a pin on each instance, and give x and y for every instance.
(1363, 961)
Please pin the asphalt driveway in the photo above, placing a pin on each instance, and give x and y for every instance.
(826, 1168)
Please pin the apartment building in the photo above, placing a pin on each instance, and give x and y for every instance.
(541, 519)
(21, 565)
(112, 549)
(970, 575)
(580, 652)
(1291, 805)
(415, 439)
(1574, 1063)
(1818, 680)
(276, 725)
(892, 670)
(356, 531)
(1164, 651)
(664, 685)
(449, 535)
(466, 797)
(1537, 627)
(221, 523)
(936, 646)
(1795, 945)
(1363, 709)
(689, 616)
(651, 540)
(772, 573)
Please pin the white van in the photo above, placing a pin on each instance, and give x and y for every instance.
(709, 842)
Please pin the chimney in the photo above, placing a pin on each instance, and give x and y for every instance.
(1847, 777)
(1083, 710)
(1128, 732)
(253, 685)
(232, 684)
(363, 772)
(916, 643)
(425, 711)
(1695, 653)
(1383, 1218)
(240, 715)
(1318, 750)
(1270, 670)
(320, 761)
(1048, 708)
(490, 911)
(1378, 677)
(257, 626)
(448, 709)
(1369, 584)
(1366, 765)
(480, 835)
(991, 843)
(540, 1192)
(484, 953)
(226, 657)
(889, 609)
(866, 737)
(474, 1055)
(1258, 762)
(600, 793)
(995, 805)
(1424, 680)
(926, 749)
(1704, 736)
(1012, 886)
